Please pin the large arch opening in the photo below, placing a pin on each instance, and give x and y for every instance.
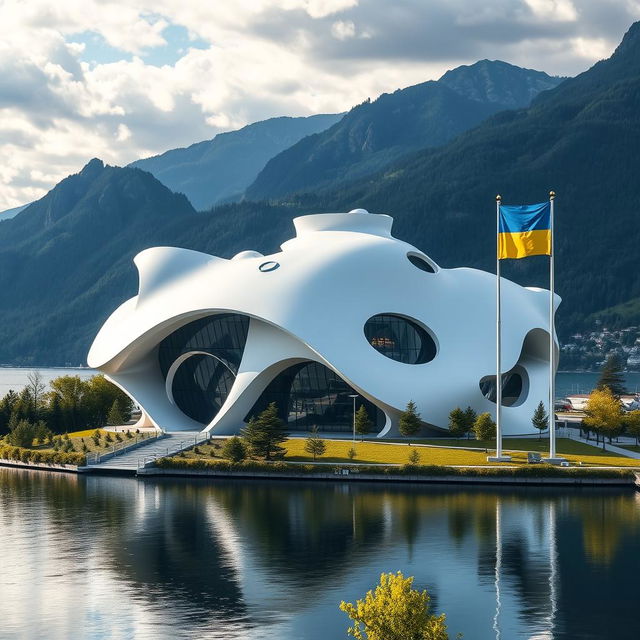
(308, 395)
(199, 363)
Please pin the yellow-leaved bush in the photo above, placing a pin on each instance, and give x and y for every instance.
(395, 611)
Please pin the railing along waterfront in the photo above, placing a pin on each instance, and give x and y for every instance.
(119, 448)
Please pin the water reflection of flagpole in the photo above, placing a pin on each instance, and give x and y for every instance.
(498, 569)
(553, 562)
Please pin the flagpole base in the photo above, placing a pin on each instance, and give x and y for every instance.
(558, 461)
(499, 459)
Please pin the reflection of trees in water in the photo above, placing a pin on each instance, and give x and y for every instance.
(599, 558)
(606, 520)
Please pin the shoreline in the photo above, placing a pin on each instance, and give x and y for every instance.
(581, 479)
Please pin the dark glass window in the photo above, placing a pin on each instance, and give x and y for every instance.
(309, 394)
(200, 387)
(202, 382)
(512, 386)
(421, 263)
(400, 339)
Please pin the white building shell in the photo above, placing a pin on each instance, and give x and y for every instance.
(313, 302)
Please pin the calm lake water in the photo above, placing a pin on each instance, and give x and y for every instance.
(16, 377)
(99, 557)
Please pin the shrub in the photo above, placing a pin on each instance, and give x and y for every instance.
(23, 434)
(118, 437)
(129, 434)
(234, 450)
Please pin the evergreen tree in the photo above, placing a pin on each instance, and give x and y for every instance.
(314, 444)
(6, 409)
(234, 450)
(264, 434)
(414, 457)
(24, 406)
(457, 422)
(22, 435)
(55, 414)
(115, 416)
(470, 417)
(410, 422)
(540, 419)
(612, 376)
(363, 423)
(484, 427)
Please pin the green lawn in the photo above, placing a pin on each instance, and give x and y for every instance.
(563, 445)
(368, 452)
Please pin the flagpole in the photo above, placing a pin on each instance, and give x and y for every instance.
(552, 333)
(498, 338)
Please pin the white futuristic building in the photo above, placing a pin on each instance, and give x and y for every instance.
(343, 309)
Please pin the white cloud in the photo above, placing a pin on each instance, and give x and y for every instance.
(255, 59)
(343, 29)
(560, 10)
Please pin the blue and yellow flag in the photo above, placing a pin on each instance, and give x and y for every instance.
(525, 230)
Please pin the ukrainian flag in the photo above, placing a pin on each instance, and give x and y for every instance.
(525, 230)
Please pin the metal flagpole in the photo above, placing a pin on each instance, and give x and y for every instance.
(552, 333)
(498, 337)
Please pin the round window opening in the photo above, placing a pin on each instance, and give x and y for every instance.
(400, 339)
(514, 387)
(421, 263)
(268, 266)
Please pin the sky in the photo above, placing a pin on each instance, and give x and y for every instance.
(125, 80)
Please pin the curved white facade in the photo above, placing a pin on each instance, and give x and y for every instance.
(237, 328)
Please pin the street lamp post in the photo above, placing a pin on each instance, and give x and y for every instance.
(354, 396)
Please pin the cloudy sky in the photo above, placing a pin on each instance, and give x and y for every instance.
(124, 80)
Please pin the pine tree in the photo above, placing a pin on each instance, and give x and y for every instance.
(115, 415)
(470, 417)
(540, 419)
(410, 422)
(363, 423)
(55, 414)
(612, 376)
(264, 434)
(457, 422)
(314, 444)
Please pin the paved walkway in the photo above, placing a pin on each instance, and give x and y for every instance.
(574, 434)
(129, 461)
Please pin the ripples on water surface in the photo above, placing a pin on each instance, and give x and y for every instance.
(97, 557)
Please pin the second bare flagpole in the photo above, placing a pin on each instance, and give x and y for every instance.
(552, 333)
(498, 338)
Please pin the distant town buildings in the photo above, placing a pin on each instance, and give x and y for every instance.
(588, 351)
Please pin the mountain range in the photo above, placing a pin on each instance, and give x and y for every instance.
(65, 261)
(220, 169)
(375, 134)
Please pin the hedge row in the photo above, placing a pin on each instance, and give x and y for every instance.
(537, 471)
(19, 454)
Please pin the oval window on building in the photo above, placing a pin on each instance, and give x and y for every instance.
(400, 339)
(421, 263)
